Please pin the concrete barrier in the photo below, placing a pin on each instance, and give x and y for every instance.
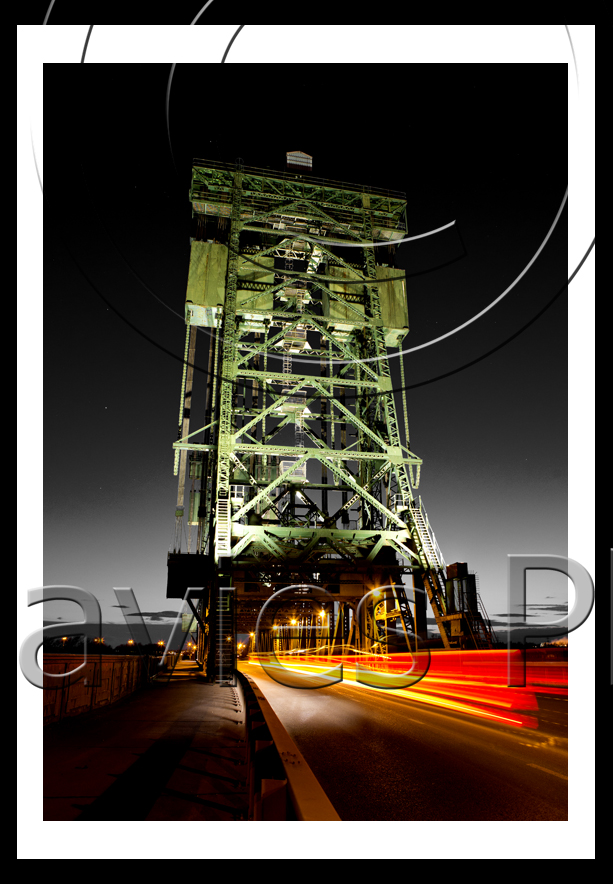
(105, 679)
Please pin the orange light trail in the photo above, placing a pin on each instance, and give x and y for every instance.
(470, 682)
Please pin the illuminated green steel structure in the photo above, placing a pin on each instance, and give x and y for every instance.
(302, 472)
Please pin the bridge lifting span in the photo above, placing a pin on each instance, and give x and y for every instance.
(302, 472)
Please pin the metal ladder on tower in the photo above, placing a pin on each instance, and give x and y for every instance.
(224, 527)
(226, 637)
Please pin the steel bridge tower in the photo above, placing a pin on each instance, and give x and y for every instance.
(302, 472)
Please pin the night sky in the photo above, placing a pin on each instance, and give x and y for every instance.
(493, 435)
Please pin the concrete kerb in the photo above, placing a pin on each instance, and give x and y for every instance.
(308, 799)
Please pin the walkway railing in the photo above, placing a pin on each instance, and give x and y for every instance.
(106, 679)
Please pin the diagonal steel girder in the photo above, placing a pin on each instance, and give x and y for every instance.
(379, 475)
(356, 421)
(267, 411)
(342, 347)
(265, 492)
(263, 347)
(344, 474)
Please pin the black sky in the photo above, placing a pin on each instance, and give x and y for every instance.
(487, 152)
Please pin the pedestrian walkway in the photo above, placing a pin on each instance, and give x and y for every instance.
(176, 749)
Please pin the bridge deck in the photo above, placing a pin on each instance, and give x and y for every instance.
(174, 750)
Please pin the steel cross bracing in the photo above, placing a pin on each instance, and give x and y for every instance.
(377, 455)
(305, 462)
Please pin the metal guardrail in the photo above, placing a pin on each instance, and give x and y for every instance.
(281, 785)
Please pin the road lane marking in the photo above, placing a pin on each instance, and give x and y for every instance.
(546, 769)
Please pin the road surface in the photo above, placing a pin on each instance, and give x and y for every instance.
(382, 756)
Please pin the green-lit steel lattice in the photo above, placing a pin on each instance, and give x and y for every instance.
(304, 469)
